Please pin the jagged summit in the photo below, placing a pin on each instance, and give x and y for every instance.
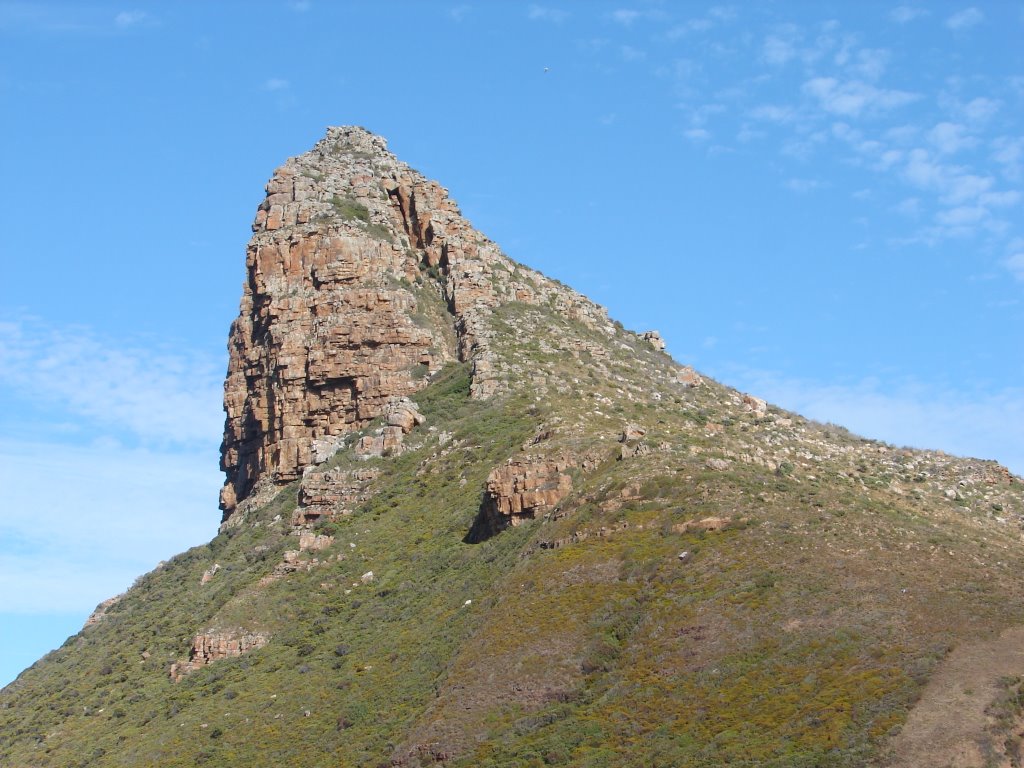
(363, 279)
(471, 521)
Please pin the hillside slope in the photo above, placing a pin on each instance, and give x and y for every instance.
(468, 519)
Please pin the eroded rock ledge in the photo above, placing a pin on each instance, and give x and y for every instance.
(209, 647)
(523, 489)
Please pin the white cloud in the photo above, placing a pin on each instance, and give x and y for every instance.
(980, 110)
(747, 134)
(960, 187)
(987, 425)
(854, 97)
(965, 19)
(1009, 153)
(275, 84)
(871, 62)
(700, 116)
(773, 113)
(629, 53)
(805, 145)
(68, 18)
(723, 13)
(543, 13)
(887, 159)
(625, 16)
(111, 515)
(697, 134)
(146, 393)
(910, 206)
(300, 6)
(1015, 263)
(962, 219)
(112, 512)
(922, 172)
(950, 138)
(953, 183)
(781, 47)
(902, 134)
(702, 24)
(126, 19)
(903, 14)
(803, 185)
(1000, 199)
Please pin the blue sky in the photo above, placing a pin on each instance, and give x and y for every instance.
(819, 203)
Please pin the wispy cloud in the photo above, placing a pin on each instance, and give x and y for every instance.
(854, 97)
(300, 6)
(624, 16)
(1008, 152)
(803, 186)
(137, 392)
(112, 514)
(954, 184)
(627, 16)
(909, 206)
(870, 62)
(1015, 264)
(950, 138)
(774, 113)
(980, 110)
(780, 47)
(629, 53)
(69, 19)
(965, 19)
(126, 19)
(902, 14)
(275, 84)
(545, 13)
(698, 24)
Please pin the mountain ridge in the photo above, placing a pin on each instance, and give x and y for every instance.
(469, 519)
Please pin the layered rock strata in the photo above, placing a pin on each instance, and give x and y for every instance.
(522, 489)
(332, 493)
(362, 278)
(209, 647)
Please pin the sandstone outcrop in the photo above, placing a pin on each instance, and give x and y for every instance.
(688, 377)
(708, 524)
(331, 493)
(654, 339)
(521, 490)
(100, 611)
(209, 647)
(363, 279)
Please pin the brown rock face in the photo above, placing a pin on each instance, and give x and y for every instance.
(212, 646)
(362, 278)
(331, 493)
(520, 490)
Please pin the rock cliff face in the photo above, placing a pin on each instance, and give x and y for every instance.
(362, 279)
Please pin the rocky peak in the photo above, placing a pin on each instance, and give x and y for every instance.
(362, 280)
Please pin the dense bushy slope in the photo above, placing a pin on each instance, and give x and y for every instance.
(667, 573)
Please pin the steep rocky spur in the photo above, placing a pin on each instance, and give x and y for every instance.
(331, 329)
